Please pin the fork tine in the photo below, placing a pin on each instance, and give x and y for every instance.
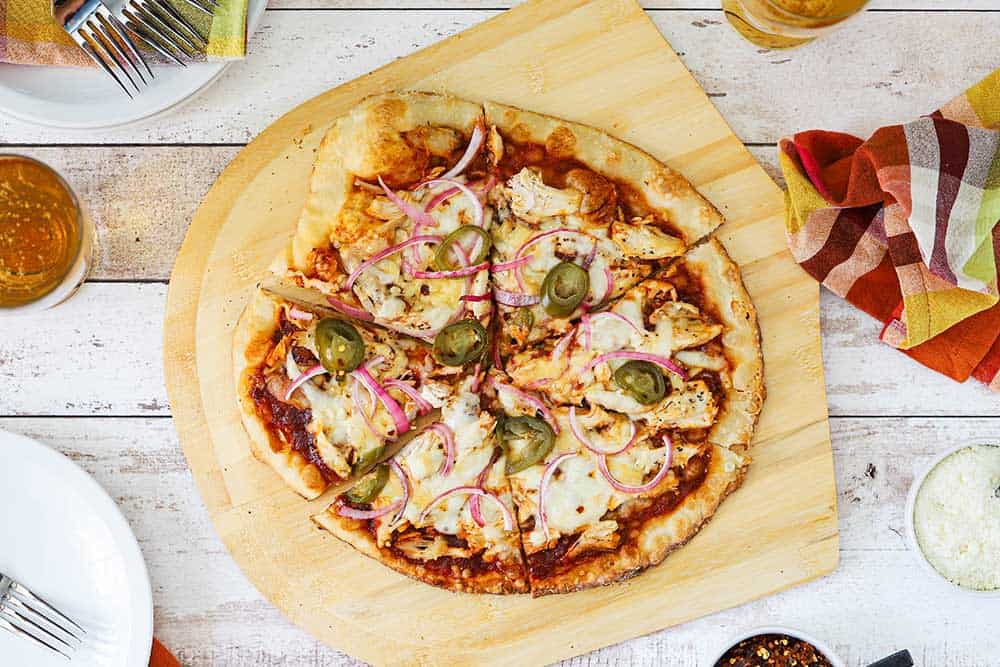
(40, 622)
(19, 626)
(126, 41)
(85, 44)
(137, 30)
(37, 602)
(175, 15)
(109, 51)
(165, 31)
(109, 38)
(213, 5)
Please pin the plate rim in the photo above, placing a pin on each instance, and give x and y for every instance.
(255, 11)
(97, 497)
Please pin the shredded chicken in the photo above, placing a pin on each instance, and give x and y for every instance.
(692, 407)
(532, 200)
(600, 199)
(690, 327)
(644, 240)
(602, 536)
(420, 547)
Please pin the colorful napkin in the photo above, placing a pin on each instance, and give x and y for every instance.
(30, 36)
(905, 227)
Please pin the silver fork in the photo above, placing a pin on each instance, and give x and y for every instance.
(103, 37)
(165, 30)
(27, 615)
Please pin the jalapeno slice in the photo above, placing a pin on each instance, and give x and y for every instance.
(525, 441)
(458, 244)
(340, 346)
(460, 343)
(564, 288)
(367, 459)
(369, 486)
(641, 380)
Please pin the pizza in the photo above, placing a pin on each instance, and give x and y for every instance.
(550, 301)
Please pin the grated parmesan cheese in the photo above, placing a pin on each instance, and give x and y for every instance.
(956, 517)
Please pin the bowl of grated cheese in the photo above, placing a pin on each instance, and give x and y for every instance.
(953, 517)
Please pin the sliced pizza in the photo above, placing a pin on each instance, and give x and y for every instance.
(581, 218)
(395, 228)
(440, 511)
(321, 397)
(608, 498)
(678, 351)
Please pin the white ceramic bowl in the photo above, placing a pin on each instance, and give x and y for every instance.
(779, 630)
(911, 532)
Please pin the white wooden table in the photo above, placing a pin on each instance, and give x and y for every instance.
(87, 377)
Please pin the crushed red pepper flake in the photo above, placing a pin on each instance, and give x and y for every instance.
(773, 651)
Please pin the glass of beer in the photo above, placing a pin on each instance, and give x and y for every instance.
(46, 241)
(783, 24)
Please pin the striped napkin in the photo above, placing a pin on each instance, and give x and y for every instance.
(29, 35)
(905, 227)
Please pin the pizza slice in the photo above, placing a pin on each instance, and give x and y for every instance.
(321, 397)
(440, 511)
(609, 498)
(678, 351)
(395, 224)
(580, 218)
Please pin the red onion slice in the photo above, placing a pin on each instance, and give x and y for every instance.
(440, 198)
(561, 346)
(534, 402)
(396, 412)
(508, 517)
(540, 382)
(423, 406)
(478, 213)
(309, 373)
(356, 398)
(544, 235)
(474, 297)
(602, 465)
(391, 250)
(615, 316)
(348, 309)
(363, 515)
(448, 437)
(511, 265)
(474, 505)
(543, 486)
(297, 313)
(412, 212)
(577, 429)
(506, 298)
(458, 273)
(659, 360)
(589, 259)
(475, 143)
(585, 329)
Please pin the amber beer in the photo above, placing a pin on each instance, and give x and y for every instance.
(782, 24)
(45, 244)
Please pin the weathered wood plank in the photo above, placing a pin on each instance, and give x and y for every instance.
(101, 354)
(139, 462)
(839, 82)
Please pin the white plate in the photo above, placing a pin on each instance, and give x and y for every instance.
(71, 97)
(65, 539)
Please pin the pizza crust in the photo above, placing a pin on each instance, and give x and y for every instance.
(251, 344)
(659, 536)
(365, 143)
(666, 191)
(511, 580)
(723, 288)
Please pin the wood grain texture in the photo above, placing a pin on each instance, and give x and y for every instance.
(593, 48)
(229, 624)
(296, 55)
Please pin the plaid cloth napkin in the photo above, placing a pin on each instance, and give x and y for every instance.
(29, 35)
(905, 227)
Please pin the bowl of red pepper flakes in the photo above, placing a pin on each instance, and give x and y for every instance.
(776, 647)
